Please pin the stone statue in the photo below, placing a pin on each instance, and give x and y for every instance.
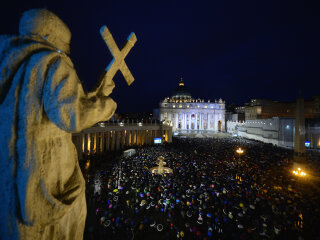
(161, 169)
(42, 102)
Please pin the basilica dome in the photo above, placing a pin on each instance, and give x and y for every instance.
(181, 92)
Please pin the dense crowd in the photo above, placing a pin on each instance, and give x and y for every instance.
(213, 193)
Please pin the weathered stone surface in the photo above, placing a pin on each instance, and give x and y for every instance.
(42, 190)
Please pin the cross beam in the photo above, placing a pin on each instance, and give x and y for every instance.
(118, 62)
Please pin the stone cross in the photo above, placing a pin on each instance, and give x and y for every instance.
(118, 62)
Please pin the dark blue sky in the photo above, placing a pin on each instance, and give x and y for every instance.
(234, 50)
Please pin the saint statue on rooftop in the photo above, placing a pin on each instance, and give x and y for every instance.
(42, 102)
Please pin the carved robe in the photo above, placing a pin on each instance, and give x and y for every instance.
(42, 102)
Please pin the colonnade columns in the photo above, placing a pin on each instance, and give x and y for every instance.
(85, 144)
(102, 142)
(123, 138)
(117, 135)
(132, 138)
(138, 137)
(144, 135)
(127, 138)
(108, 140)
(90, 143)
(97, 142)
(95, 138)
(147, 137)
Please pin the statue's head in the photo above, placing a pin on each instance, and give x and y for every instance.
(48, 26)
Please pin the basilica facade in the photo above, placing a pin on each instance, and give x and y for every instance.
(185, 113)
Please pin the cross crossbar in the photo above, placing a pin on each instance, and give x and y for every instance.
(118, 62)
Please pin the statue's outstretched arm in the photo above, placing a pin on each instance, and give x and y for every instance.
(68, 106)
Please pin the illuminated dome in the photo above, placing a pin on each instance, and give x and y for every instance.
(181, 92)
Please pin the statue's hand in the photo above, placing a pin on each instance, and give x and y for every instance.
(106, 86)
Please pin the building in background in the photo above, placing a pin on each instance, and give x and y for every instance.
(185, 113)
(263, 108)
(274, 122)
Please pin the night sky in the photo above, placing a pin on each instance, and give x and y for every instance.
(234, 50)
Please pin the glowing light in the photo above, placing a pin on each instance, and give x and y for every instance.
(299, 173)
(87, 165)
(239, 151)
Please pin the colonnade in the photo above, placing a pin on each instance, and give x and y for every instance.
(98, 140)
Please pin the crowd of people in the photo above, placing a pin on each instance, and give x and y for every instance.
(213, 193)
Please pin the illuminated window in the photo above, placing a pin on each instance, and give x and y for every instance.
(288, 127)
(173, 106)
(180, 106)
(211, 106)
(187, 106)
(198, 106)
(206, 106)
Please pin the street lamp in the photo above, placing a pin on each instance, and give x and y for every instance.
(299, 173)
